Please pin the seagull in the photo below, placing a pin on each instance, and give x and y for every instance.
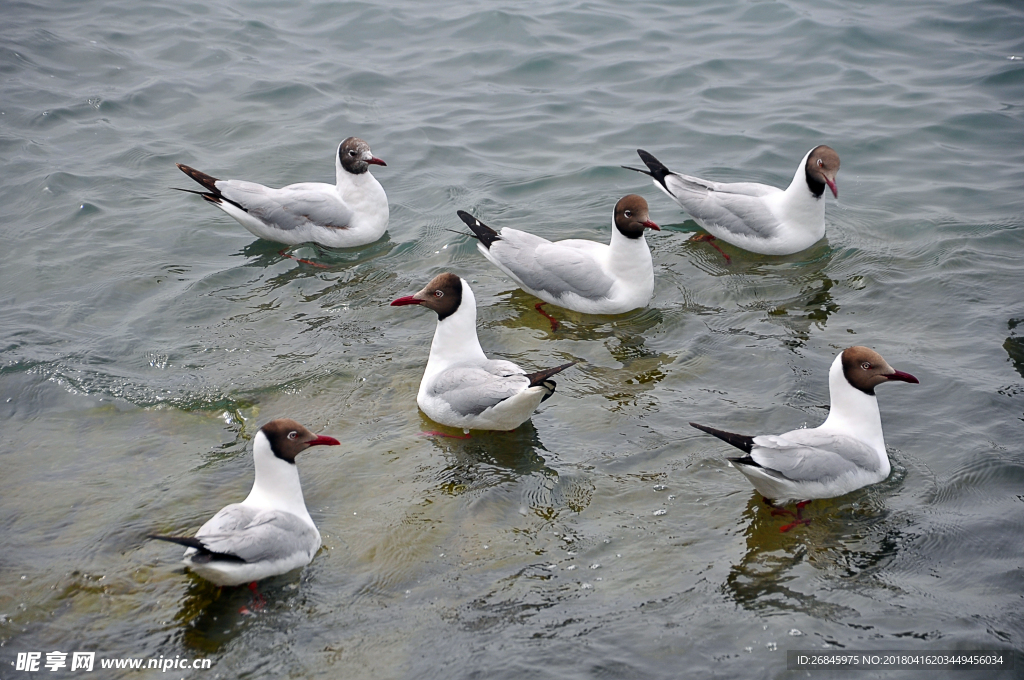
(580, 275)
(461, 387)
(751, 216)
(844, 453)
(353, 212)
(270, 532)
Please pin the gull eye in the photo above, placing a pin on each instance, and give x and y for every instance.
(439, 293)
(353, 153)
(628, 213)
(293, 434)
(866, 366)
(820, 163)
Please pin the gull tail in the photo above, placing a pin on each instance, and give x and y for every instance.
(481, 231)
(740, 441)
(656, 169)
(542, 378)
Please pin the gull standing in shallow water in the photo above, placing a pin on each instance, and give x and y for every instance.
(751, 216)
(461, 387)
(580, 275)
(844, 453)
(270, 532)
(352, 212)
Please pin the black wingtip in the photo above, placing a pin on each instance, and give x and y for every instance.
(203, 554)
(205, 194)
(541, 377)
(740, 441)
(481, 231)
(640, 170)
(657, 169)
(187, 541)
(207, 181)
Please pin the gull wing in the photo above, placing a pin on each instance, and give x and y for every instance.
(556, 268)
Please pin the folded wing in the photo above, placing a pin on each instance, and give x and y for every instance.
(555, 268)
(738, 208)
(292, 207)
(255, 535)
(810, 455)
(471, 389)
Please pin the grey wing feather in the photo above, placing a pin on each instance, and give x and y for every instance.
(735, 207)
(810, 455)
(255, 535)
(288, 208)
(551, 267)
(472, 389)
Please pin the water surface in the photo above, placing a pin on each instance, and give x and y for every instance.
(146, 335)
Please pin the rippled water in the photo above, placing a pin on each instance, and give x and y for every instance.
(146, 336)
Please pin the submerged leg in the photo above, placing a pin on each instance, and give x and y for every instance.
(257, 603)
(708, 238)
(438, 433)
(799, 517)
(553, 320)
(776, 510)
(284, 253)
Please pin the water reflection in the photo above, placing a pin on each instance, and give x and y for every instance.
(793, 291)
(847, 538)
(210, 617)
(262, 254)
(1014, 346)
(498, 463)
(810, 307)
(575, 325)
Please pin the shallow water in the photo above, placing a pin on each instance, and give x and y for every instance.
(146, 335)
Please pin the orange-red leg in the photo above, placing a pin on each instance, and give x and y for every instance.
(711, 239)
(799, 517)
(258, 601)
(299, 259)
(553, 320)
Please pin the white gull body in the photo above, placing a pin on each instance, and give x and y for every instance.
(461, 387)
(756, 217)
(585, 276)
(270, 532)
(352, 212)
(844, 453)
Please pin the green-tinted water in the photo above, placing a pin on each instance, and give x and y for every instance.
(146, 336)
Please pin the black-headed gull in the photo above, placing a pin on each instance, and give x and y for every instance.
(751, 216)
(844, 453)
(352, 212)
(270, 532)
(584, 276)
(461, 387)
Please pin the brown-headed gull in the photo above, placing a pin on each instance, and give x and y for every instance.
(270, 532)
(581, 275)
(751, 216)
(844, 453)
(352, 212)
(461, 387)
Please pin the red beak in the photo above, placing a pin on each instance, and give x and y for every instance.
(377, 161)
(407, 300)
(832, 186)
(324, 440)
(652, 225)
(905, 377)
